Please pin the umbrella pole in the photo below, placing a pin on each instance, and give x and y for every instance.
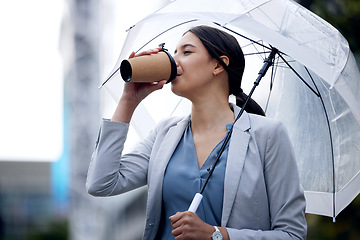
(267, 64)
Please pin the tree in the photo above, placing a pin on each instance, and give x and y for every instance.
(342, 14)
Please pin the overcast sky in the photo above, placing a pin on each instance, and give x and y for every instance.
(31, 92)
(31, 80)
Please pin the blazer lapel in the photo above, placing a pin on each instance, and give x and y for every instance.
(156, 175)
(236, 156)
(165, 152)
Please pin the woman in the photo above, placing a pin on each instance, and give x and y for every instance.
(254, 192)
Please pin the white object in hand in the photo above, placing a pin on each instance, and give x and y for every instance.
(195, 202)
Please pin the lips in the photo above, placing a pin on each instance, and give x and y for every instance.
(178, 72)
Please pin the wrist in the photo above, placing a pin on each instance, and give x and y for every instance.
(223, 231)
(217, 235)
(124, 110)
(128, 102)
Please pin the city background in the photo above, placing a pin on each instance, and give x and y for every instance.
(57, 54)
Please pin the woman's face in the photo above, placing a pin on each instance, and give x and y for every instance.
(195, 67)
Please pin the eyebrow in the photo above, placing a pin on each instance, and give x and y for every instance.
(184, 46)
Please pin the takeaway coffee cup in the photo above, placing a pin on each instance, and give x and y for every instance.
(149, 68)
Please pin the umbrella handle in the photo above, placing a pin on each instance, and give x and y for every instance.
(267, 63)
(195, 202)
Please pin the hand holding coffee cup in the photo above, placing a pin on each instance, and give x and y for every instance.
(135, 92)
(150, 66)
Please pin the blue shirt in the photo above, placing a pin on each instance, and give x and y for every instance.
(183, 179)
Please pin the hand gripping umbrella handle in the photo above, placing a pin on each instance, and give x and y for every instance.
(195, 203)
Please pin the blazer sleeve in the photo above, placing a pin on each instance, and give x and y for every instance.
(285, 194)
(110, 172)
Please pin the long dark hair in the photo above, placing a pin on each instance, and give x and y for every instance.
(219, 43)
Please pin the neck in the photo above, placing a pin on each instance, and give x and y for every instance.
(211, 114)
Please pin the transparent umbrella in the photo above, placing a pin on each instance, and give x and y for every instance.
(313, 86)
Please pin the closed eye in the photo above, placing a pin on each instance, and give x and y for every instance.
(185, 48)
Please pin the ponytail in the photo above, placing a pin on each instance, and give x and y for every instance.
(251, 106)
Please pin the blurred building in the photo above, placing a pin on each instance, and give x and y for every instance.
(26, 204)
(48, 199)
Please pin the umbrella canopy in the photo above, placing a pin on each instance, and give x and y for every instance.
(313, 87)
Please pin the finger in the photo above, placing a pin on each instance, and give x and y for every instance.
(183, 227)
(176, 225)
(154, 87)
(162, 83)
(132, 55)
(182, 219)
(158, 49)
(157, 86)
(176, 217)
(177, 233)
(148, 52)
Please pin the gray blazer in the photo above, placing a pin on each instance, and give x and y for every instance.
(263, 198)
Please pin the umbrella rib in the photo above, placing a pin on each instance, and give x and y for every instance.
(331, 141)
(317, 93)
(273, 73)
(175, 26)
(299, 76)
(177, 105)
(251, 43)
(255, 53)
(251, 40)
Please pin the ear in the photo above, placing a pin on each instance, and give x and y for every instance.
(220, 68)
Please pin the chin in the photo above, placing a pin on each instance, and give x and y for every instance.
(176, 89)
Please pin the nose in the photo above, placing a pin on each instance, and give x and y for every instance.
(177, 62)
(175, 59)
